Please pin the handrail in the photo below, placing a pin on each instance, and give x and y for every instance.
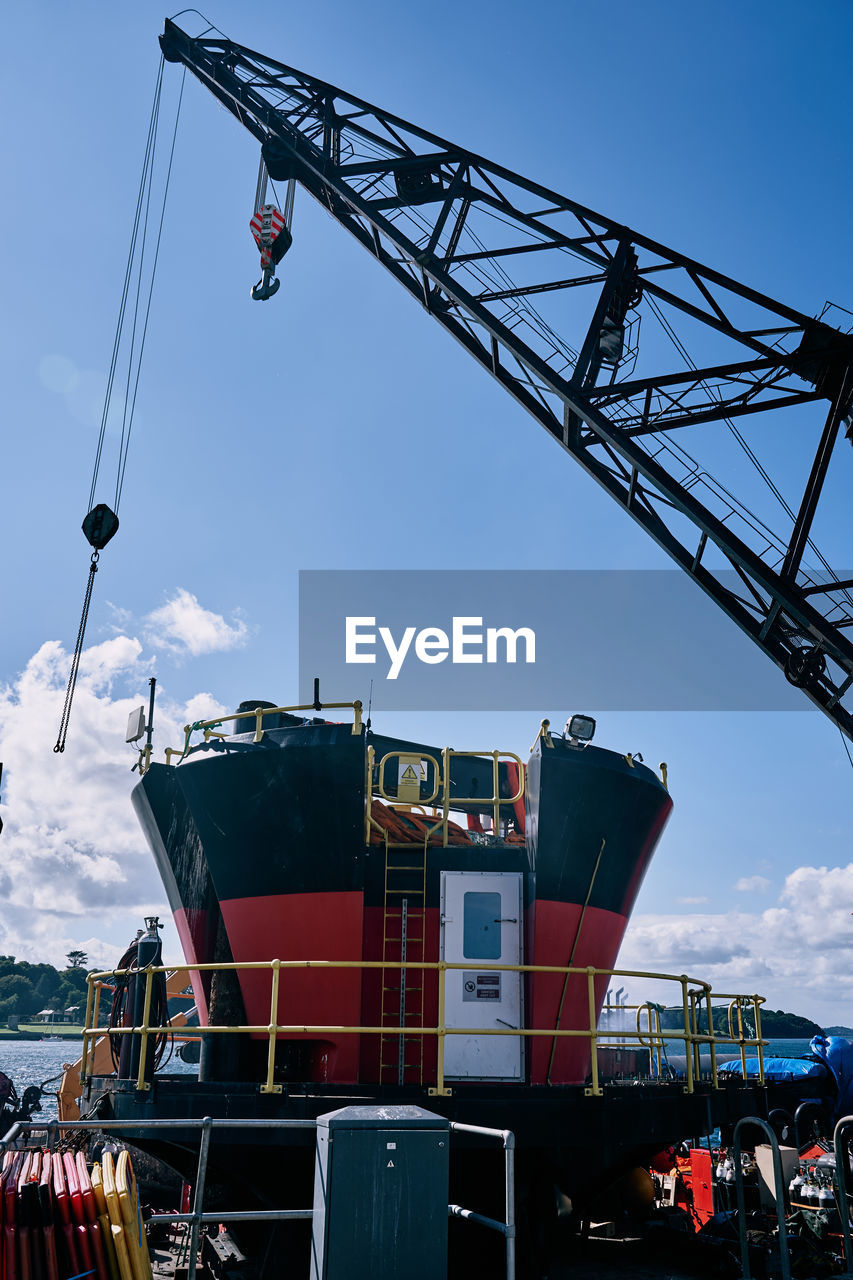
(442, 785)
(842, 1157)
(779, 1188)
(207, 727)
(507, 1227)
(654, 1043)
(423, 755)
(441, 773)
(598, 1038)
(198, 1218)
(496, 798)
(737, 1004)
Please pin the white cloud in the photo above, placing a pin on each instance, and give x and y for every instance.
(797, 953)
(122, 619)
(752, 884)
(183, 626)
(74, 867)
(691, 902)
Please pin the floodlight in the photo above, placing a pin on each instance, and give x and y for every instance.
(580, 728)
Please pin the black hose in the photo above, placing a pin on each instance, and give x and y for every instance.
(121, 1013)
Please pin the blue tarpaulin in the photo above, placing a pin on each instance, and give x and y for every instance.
(778, 1068)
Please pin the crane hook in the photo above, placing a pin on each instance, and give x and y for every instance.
(266, 287)
(272, 236)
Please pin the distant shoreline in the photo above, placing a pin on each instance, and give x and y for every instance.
(41, 1033)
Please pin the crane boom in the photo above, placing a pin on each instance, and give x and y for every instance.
(448, 223)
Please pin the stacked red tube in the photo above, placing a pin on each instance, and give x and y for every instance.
(50, 1227)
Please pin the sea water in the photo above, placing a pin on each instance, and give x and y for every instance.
(730, 1052)
(786, 1048)
(42, 1062)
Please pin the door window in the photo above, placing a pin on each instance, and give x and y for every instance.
(481, 929)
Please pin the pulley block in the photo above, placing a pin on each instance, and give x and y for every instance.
(100, 525)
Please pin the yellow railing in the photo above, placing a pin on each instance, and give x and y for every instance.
(208, 727)
(694, 994)
(736, 1014)
(653, 1037)
(441, 788)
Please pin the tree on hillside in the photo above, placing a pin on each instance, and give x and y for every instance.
(47, 987)
(77, 959)
(74, 980)
(67, 996)
(19, 994)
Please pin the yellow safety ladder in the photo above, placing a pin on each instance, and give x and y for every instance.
(404, 923)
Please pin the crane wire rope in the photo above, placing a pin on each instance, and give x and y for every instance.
(152, 124)
(105, 521)
(127, 415)
(286, 206)
(845, 746)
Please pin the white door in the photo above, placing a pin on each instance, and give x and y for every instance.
(481, 921)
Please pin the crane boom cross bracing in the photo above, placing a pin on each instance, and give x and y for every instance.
(444, 221)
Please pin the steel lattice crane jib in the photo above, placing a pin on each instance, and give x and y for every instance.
(448, 224)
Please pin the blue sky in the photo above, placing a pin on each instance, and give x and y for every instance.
(330, 427)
